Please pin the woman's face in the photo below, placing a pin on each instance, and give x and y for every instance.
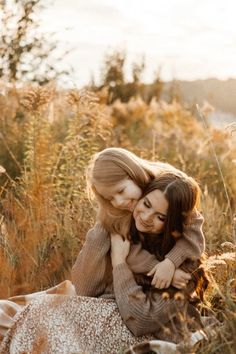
(150, 212)
(122, 195)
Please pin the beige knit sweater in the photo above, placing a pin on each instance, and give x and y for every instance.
(143, 313)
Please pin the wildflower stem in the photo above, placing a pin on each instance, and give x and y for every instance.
(10, 152)
(203, 118)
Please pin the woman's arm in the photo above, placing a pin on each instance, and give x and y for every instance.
(143, 313)
(191, 244)
(89, 270)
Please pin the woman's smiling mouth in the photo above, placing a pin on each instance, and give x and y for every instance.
(147, 226)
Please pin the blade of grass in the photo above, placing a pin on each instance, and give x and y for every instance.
(203, 118)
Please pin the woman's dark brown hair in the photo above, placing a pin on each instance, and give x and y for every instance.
(182, 193)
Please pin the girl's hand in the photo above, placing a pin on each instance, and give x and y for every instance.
(180, 279)
(119, 249)
(163, 274)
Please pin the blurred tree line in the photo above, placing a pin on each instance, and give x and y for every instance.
(113, 77)
(26, 54)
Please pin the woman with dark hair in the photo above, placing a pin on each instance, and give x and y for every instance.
(159, 217)
(179, 196)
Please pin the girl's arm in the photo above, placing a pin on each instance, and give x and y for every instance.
(191, 244)
(89, 270)
(143, 313)
(140, 260)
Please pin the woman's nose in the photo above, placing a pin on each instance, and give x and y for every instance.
(147, 216)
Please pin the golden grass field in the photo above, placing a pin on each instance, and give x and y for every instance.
(47, 137)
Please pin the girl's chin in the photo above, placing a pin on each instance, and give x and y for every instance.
(132, 206)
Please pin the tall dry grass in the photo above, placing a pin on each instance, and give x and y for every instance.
(46, 140)
(45, 210)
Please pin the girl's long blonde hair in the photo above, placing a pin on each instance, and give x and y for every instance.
(111, 166)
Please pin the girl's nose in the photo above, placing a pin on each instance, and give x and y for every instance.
(117, 201)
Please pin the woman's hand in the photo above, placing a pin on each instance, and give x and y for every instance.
(119, 249)
(180, 279)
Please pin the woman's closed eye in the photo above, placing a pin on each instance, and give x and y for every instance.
(146, 204)
(161, 218)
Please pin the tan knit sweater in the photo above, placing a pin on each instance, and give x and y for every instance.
(143, 313)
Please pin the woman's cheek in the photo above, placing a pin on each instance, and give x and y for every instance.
(162, 226)
(136, 211)
(135, 205)
(158, 227)
(139, 194)
(138, 207)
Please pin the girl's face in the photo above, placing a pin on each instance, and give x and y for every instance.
(122, 195)
(150, 212)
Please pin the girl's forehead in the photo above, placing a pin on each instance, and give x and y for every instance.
(111, 188)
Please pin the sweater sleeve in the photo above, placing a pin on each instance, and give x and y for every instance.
(89, 270)
(143, 313)
(140, 260)
(191, 244)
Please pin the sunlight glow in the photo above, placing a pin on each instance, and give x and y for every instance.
(187, 39)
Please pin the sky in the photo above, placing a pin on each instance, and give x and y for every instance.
(183, 39)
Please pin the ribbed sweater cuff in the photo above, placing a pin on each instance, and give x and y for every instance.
(122, 275)
(152, 264)
(176, 256)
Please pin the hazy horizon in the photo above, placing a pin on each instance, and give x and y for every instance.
(186, 40)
